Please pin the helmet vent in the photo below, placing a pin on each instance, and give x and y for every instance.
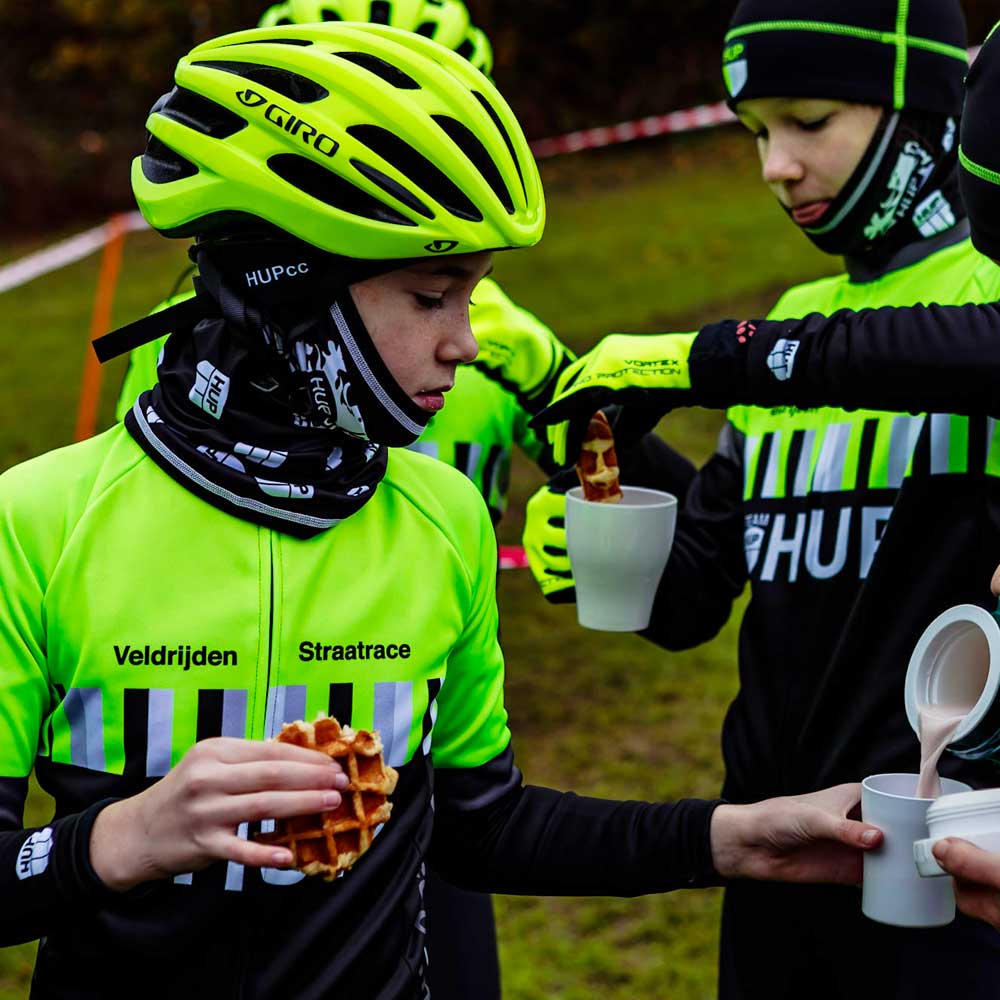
(331, 189)
(476, 152)
(201, 114)
(417, 169)
(466, 49)
(329, 14)
(301, 42)
(428, 29)
(381, 12)
(385, 71)
(161, 165)
(392, 187)
(290, 85)
(491, 111)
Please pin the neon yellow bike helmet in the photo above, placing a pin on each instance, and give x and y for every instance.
(363, 140)
(446, 21)
(405, 14)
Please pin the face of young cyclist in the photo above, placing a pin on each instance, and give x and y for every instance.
(808, 148)
(418, 319)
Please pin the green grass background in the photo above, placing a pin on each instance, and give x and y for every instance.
(659, 236)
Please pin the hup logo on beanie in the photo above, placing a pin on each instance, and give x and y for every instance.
(735, 68)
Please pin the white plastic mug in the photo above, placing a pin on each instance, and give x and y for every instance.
(893, 892)
(618, 553)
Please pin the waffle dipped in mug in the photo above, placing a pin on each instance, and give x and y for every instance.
(597, 466)
(329, 843)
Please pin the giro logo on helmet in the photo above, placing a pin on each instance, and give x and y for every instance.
(289, 123)
(441, 246)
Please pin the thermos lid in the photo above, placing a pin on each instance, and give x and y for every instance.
(955, 661)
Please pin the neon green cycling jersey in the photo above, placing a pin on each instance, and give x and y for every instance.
(113, 651)
(484, 416)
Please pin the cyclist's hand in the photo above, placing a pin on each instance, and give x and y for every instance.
(649, 373)
(189, 819)
(798, 838)
(545, 539)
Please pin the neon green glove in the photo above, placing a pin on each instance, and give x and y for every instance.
(515, 348)
(545, 541)
(645, 372)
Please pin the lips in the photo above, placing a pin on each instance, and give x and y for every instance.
(431, 399)
(810, 213)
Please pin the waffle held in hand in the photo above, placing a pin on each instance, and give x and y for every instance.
(329, 843)
(597, 465)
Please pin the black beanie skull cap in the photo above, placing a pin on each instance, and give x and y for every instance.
(979, 153)
(894, 53)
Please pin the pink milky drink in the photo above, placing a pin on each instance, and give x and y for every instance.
(948, 674)
(937, 726)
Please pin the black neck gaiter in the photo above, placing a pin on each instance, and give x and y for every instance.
(275, 407)
(904, 190)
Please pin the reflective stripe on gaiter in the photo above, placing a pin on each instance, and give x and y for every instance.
(394, 718)
(85, 715)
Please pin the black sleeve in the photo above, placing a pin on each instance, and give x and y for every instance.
(941, 359)
(706, 571)
(493, 834)
(45, 874)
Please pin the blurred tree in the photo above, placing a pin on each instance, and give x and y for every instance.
(78, 76)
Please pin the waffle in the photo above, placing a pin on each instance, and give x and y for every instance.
(597, 465)
(329, 843)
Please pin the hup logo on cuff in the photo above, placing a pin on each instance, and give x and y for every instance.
(781, 360)
(210, 390)
(33, 858)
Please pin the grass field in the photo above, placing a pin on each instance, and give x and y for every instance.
(655, 237)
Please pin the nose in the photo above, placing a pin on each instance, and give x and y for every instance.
(459, 343)
(779, 163)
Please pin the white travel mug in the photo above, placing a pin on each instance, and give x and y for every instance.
(618, 552)
(893, 892)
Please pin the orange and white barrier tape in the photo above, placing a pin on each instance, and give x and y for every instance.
(65, 252)
(689, 120)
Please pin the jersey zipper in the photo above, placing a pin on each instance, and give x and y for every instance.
(258, 727)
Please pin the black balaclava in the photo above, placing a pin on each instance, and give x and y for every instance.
(980, 153)
(275, 406)
(907, 56)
